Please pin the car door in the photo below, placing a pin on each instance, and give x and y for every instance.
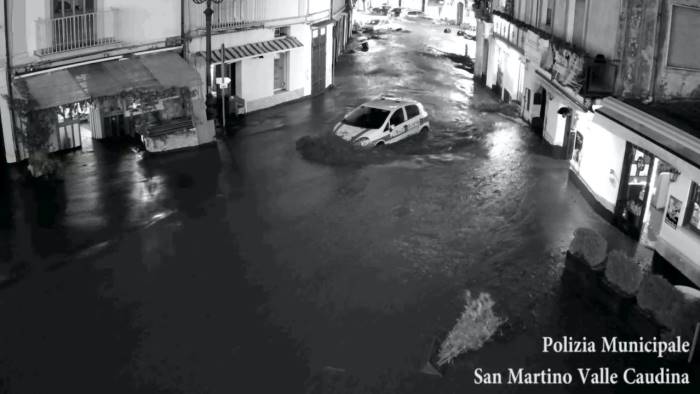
(412, 119)
(397, 124)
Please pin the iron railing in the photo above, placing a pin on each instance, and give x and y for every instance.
(76, 32)
(231, 15)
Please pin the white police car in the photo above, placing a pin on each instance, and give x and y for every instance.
(383, 121)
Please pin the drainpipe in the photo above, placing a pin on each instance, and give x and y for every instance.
(182, 27)
(8, 75)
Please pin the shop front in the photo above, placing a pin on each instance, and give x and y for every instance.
(642, 174)
(153, 99)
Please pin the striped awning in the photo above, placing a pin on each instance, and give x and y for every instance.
(254, 49)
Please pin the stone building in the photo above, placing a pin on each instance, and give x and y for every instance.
(614, 88)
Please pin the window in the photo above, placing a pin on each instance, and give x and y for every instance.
(685, 37)
(397, 118)
(282, 31)
(412, 111)
(366, 117)
(693, 214)
(63, 8)
(281, 71)
(548, 21)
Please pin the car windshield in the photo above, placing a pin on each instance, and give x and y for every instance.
(366, 117)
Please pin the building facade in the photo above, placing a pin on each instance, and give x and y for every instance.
(612, 87)
(98, 64)
(61, 57)
(269, 51)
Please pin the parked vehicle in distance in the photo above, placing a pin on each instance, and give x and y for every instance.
(384, 10)
(380, 25)
(383, 121)
(413, 14)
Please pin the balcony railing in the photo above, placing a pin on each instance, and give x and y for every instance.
(76, 32)
(232, 15)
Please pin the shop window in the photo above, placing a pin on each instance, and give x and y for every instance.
(693, 221)
(578, 146)
(281, 74)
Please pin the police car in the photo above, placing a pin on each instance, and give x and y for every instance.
(383, 121)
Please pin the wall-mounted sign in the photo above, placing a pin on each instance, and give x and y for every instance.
(673, 212)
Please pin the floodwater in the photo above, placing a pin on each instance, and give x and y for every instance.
(279, 261)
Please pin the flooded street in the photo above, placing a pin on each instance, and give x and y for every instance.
(280, 262)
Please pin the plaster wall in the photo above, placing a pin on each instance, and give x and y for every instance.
(483, 30)
(492, 63)
(554, 123)
(560, 18)
(645, 70)
(602, 28)
(509, 63)
(300, 60)
(601, 160)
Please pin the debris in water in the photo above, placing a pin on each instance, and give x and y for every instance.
(473, 329)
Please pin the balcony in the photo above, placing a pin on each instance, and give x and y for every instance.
(229, 15)
(510, 32)
(76, 32)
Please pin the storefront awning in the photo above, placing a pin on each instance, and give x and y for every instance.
(254, 49)
(54, 88)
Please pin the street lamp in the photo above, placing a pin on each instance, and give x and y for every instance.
(207, 13)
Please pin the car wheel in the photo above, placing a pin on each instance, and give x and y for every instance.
(423, 134)
(380, 143)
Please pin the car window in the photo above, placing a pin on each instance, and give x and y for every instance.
(366, 117)
(412, 111)
(397, 118)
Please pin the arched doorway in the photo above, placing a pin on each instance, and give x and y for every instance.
(460, 13)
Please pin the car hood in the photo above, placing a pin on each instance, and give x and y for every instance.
(349, 133)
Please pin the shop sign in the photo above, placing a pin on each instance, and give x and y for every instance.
(673, 211)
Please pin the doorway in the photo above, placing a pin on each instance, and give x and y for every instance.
(634, 191)
(661, 177)
(318, 60)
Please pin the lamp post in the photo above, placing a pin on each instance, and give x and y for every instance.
(207, 13)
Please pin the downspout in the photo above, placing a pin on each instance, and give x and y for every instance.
(182, 27)
(8, 75)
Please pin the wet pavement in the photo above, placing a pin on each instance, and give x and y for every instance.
(277, 261)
